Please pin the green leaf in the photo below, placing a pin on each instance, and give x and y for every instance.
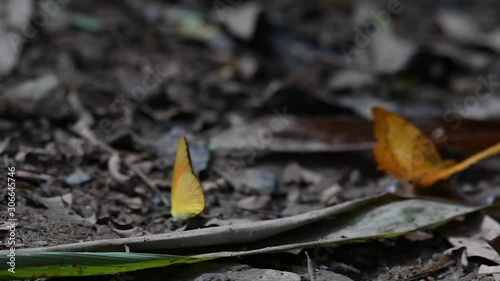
(87, 23)
(59, 264)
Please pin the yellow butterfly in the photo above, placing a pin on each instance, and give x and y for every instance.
(406, 153)
(188, 199)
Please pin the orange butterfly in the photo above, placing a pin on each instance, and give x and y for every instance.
(406, 153)
(188, 199)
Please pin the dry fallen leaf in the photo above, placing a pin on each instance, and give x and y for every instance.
(114, 168)
(485, 269)
(406, 153)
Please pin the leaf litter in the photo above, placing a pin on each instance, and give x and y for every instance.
(95, 95)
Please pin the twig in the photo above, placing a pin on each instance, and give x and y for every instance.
(30, 175)
(90, 137)
(310, 268)
(148, 183)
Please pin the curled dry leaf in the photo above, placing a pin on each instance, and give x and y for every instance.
(406, 153)
(475, 248)
(242, 20)
(56, 202)
(114, 168)
(254, 202)
(77, 177)
(329, 196)
(33, 175)
(125, 230)
(134, 203)
(291, 173)
(485, 269)
(4, 144)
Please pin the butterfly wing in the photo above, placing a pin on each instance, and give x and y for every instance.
(402, 149)
(188, 199)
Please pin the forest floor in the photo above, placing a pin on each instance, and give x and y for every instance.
(275, 100)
